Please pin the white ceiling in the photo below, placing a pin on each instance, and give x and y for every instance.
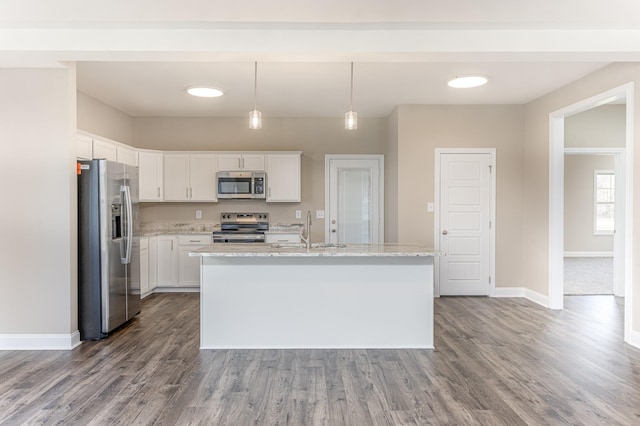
(138, 56)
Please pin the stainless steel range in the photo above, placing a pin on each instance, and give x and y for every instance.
(242, 228)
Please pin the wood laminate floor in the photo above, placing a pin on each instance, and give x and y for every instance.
(496, 362)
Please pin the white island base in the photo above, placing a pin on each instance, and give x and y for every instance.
(316, 302)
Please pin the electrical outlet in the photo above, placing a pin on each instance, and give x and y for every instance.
(298, 214)
(198, 214)
(319, 214)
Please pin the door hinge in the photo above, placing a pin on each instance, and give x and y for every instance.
(489, 224)
(489, 279)
(490, 169)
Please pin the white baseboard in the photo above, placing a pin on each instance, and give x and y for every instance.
(176, 290)
(39, 342)
(508, 292)
(588, 254)
(534, 296)
(634, 338)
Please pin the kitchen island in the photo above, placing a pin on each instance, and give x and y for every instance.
(287, 296)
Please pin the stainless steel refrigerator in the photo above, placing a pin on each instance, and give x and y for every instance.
(108, 247)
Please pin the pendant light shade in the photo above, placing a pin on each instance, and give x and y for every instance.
(255, 116)
(351, 117)
(255, 119)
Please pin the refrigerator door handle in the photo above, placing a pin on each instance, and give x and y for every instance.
(128, 237)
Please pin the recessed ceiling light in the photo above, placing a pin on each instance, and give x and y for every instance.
(467, 81)
(204, 92)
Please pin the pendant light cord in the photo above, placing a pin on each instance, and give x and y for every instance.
(255, 86)
(351, 107)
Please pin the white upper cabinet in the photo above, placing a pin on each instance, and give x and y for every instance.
(126, 155)
(84, 147)
(104, 149)
(234, 162)
(190, 177)
(150, 171)
(283, 177)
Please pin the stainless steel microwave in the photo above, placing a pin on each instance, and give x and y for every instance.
(241, 185)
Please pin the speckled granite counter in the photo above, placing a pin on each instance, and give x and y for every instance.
(283, 296)
(181, 228)
(326, 250)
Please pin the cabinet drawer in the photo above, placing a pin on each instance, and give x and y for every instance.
(282, 237)
(194, 240)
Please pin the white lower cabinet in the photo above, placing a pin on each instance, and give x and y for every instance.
(153, 263)
(282, 237)
(176, 269)
(144, 267)
(167, 260)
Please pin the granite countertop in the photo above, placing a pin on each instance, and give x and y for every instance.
(282, 228)
(153, 229)
(318, 249)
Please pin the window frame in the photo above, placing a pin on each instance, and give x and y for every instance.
(596, 173)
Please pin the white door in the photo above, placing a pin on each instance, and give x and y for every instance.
(355, 199)
(465, 224)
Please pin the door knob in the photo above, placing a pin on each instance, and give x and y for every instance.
(445, 232)
(333, 230)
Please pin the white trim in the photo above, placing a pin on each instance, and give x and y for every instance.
(536, 297)
(633, 338)
(556, 197)
(523, 292)
(508, 292)
(176, 290)
(39, 342)
(492, 214)
(327, 189)
(588, 254)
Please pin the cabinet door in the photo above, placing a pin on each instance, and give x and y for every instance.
(176, 177)
(84, 147)
(203, 170)
(104, 149)
(189, 268)
(126, 155)
(229, 162)
(254, 162)
(167, 261)
(153, 263)
(150, 172)
(283, 178)
(144, 266)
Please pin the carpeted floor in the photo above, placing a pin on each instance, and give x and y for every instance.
(588, 275)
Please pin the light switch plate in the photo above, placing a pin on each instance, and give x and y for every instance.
(319, 214)
(198, 214)
(298, 214)
(430, 206)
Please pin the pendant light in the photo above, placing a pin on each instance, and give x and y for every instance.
(255, 116)
(351, 117)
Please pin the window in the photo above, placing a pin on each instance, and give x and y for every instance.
(604, 184)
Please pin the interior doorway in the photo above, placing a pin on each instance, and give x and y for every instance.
(622, 245)
(594, 228)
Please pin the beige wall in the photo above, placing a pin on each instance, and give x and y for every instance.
(598, 127)
(37, 156)
(536, 208)
(578, 203)
(391, 180)
(314, 137)
(101, 119)
(422, 129)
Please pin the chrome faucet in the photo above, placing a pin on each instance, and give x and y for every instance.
(307, 240)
